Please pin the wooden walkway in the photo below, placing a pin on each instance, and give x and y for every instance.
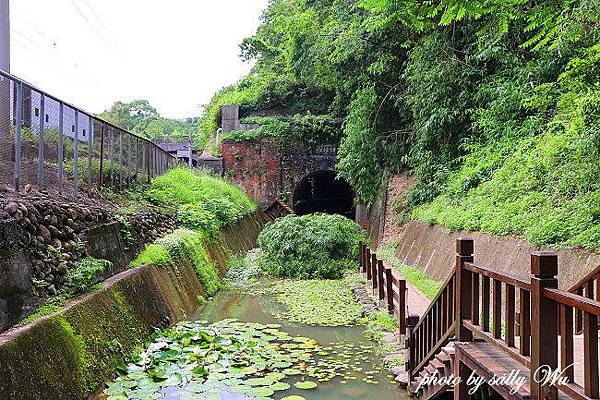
(488, 324)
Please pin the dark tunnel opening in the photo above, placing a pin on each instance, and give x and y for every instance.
(321, 191)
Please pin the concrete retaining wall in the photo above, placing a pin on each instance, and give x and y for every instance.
(432, 249)
(69, 355)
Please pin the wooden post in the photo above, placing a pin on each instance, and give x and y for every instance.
(464, 253)
(544, 323)
(380, 280)
(361, 256)
(411, 346)
(374, 271)
(389, 289)
(402, 305)
(368, 264)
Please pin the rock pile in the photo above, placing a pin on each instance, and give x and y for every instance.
(48, 232)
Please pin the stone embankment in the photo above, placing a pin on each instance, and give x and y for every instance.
(70, 354)
(42, 239)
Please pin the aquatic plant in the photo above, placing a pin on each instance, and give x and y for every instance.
(318, 302)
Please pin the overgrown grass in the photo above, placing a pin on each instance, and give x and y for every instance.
(205, 203)
(429, 287)
(378, 323)
(182, 245)
(541, 184)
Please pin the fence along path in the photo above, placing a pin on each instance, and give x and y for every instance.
(48, 143)
(477, 310)
(387, 285)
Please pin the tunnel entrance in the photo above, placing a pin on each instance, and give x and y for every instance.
(320, 191)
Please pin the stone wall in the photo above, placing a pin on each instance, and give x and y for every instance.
(432, 249)
(41, 240)
(69, 355)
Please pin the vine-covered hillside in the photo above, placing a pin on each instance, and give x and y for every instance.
(493, 105)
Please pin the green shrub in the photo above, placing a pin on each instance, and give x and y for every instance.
(310, 246)
(196, 194)
(182, 245)
(85, 274)
(195, 216)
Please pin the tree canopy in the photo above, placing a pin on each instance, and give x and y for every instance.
(451, 90)
(140, 117)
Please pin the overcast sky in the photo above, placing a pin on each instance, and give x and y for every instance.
(175, 53)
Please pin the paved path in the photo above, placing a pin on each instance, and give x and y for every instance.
(416, 301)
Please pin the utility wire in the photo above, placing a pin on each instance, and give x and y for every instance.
(93, 11)
(42, 59)
(85, 18)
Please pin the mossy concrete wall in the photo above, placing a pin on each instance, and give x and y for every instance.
(433, 249)
(69, 355)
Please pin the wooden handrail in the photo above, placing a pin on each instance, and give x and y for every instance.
(573, 300)
(583, 282)
(546, 321)
(499, 276)
(277, 209)
(435, 299)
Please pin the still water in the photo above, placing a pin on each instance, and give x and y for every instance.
(363, 377)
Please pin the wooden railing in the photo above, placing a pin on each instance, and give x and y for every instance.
(546, 322)
(277, 209)
(387, 285)
(588, 286)
(425, 336)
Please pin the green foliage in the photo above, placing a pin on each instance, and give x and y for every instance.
(310, 246)
(455, 91)
(140, 117)
(195, 216)
(359, 151)
(86, 273)
(546, 187)
(308, 129)
(180, 246)
(416, 277)
(41, 312)
(204, 202)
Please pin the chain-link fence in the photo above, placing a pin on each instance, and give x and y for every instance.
(48, 144)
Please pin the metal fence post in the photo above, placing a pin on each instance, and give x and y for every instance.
(90, 150)
(41, 144)
(129, 151)
(76, 154)
(101, 167)
(18, 117)
(120, 159)
(111, 155)
(61, 146)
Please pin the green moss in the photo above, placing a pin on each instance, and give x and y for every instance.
(182, 245)
(41, 312)
(57, 355)
(153, 254)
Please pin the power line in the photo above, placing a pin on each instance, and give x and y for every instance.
(36, 30)
(30, 40)
(90, 24)
(106, 30)
(41, 58)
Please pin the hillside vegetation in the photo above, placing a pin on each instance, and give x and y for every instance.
(494, 105)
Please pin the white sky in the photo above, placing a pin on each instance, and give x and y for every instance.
(175, 53)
